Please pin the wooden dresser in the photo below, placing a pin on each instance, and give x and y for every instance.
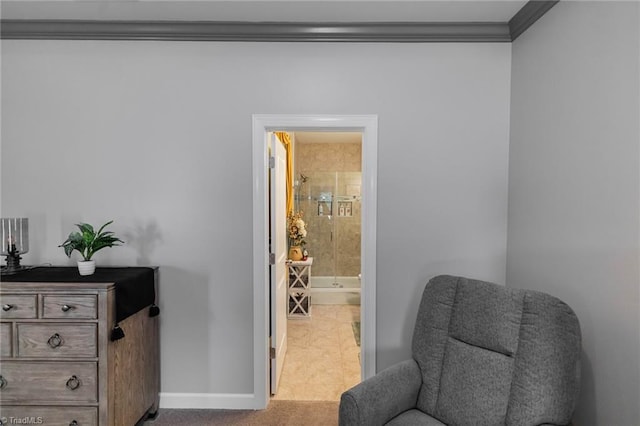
(61, 362)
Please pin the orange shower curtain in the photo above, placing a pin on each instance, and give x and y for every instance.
(286, 141)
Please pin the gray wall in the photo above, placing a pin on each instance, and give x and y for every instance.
(574, 188)
(157, 135)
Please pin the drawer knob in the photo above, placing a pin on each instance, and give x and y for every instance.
(7, 307)
(73, 383)
(66, 308)
(55, 341)
(73, 423)
(3, 382)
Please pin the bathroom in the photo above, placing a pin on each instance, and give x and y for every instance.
(323, 355)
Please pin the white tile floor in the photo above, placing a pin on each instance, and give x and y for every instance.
(322, 358)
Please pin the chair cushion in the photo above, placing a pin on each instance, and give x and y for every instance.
(414, 418)
(475, 385)
(465, 337)
(487, 315)
(478, 361)
(468, 363)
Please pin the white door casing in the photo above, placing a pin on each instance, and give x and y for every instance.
(262, 124)
(279, 286)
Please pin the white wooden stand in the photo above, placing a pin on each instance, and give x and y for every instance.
(300, 288)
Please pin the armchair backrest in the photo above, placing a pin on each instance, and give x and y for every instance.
(495, 355)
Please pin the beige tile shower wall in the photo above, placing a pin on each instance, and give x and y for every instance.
(328, 157)
(320, 162)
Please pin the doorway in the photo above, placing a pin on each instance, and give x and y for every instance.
(323, 326)
(262, 124)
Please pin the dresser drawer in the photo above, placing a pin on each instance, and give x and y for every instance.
(57, 340)
(18, 306)
(50, 416)
(82, 307)
(48, 382)
(6, 343)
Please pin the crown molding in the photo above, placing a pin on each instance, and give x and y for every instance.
(373, 32)
(405, 32)
(528, 15)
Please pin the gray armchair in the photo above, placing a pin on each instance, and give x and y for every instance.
(483, 354)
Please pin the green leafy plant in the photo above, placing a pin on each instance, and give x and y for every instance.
(88, 241)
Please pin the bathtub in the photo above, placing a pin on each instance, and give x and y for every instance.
(335, 290)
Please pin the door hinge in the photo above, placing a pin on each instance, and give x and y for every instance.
(272, 258)
(272, 353)
(272, 162)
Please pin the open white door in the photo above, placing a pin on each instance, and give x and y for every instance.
(278, 270)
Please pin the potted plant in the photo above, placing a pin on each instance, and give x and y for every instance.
(88, 242)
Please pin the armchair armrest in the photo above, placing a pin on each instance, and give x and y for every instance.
(380, 398)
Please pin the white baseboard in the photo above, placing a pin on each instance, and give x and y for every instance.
(210, 401)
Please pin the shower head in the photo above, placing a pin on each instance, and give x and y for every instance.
(303, 178)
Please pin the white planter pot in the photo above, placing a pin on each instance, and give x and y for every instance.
(86, 267)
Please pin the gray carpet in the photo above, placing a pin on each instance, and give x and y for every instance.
(278, 413)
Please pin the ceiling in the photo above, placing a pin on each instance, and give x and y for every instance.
(265, 10)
